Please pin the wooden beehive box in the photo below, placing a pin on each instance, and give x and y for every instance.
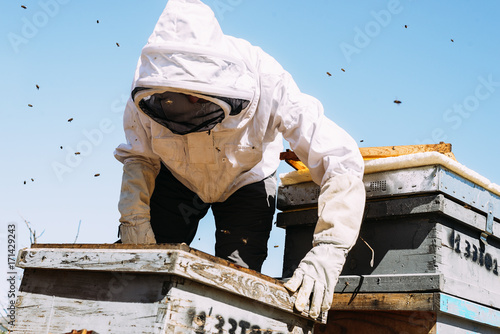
(147, 289)
(433, 228)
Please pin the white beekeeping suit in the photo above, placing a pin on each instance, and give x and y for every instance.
(254, 105)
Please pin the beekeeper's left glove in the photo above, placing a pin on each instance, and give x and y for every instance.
(137, 186)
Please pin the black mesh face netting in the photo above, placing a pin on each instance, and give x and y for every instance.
(181, 116)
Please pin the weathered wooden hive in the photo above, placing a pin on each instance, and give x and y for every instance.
(427, 260)
(147, 289)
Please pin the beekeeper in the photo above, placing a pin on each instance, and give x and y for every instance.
(204, 127)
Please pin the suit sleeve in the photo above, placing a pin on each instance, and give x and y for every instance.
(140, 167)
(330, 153)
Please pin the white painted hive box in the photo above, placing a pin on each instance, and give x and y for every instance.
(147, 289)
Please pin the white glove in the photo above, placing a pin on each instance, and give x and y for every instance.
(317, 275)
(141, 233)
(137, 186)
(340, 211)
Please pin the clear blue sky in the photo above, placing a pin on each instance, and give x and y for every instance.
(450, 91)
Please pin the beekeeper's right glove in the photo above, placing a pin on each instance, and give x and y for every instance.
(340, 211)
(316, 277)
(137, 186)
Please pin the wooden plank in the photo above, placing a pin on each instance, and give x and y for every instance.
(470, 311)
(370, 153)
(379, 322)
(446, 324)
(182, 247)
(293, 160)
(175, 260)
(408, 313)
(408, 301)
(389, 283)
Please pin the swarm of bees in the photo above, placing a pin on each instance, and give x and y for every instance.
(70, 119)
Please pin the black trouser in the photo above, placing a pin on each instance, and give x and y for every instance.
(243, 222)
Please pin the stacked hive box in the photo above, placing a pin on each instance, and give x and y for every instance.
(427, 259)
(147, 289)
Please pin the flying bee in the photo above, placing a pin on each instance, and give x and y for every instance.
(23, 6)
(406, 26)
(329, 74)
(225, 231)
(117, 44)
(244, 240)
(452, 40)
(24, 182)
(276, 246)
(96, 175)
(97, 21)
(397, 102)
(37, 87)
(70, 119)
(30, 105)
(32, 180)
(342, 70)
(77, 153)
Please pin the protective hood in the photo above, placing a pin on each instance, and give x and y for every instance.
(189, 54)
